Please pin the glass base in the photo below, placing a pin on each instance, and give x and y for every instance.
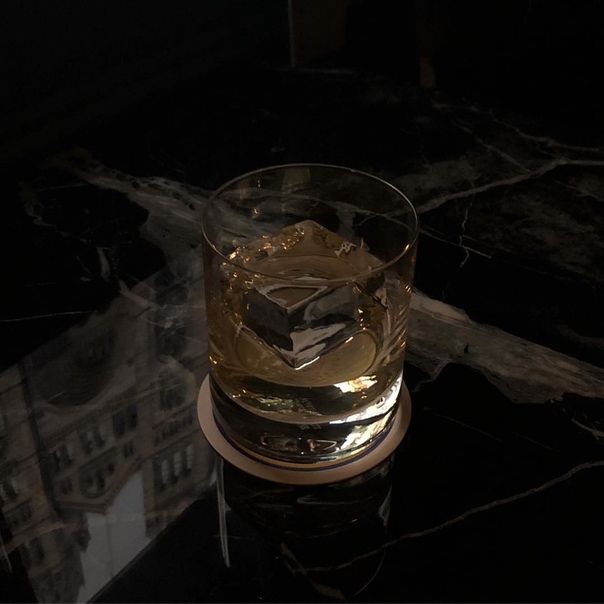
(304, 443)
(284, 472)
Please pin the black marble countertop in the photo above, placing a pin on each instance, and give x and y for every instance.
(108, 490)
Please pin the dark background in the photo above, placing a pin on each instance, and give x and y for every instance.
(201, 91)
(66, 64)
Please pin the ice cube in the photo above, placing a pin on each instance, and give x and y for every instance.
(309, 344)
(269, 311)
(309, 315)
(302, 322)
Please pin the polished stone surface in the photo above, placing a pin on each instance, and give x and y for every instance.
(108, 489)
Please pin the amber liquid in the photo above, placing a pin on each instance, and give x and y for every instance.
(319, 342)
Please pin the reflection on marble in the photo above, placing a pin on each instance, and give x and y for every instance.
(100, 446)
(174, 208)
(495, 493)
(329, 537)
(524, 371)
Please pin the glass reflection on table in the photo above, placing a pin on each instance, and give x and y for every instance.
(329, 537)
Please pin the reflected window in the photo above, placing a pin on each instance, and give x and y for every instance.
(125, 420)
(128, 449)
(165, 472)
(15, 485)
(189, 458)
(62, 457)
(93, 481)
(171, 394)
(100, 434)
(100, 481)
(86, 440)
(119, 424)
(132, 414)
(177, 463)
(171, 338)
(55, 462)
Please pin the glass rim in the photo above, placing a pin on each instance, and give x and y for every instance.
(361, 274)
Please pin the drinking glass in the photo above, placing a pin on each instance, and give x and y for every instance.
(308, 271)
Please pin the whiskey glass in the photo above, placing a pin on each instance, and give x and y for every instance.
(308, 271)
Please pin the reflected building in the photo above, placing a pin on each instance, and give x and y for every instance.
(177, 460)
(48, 542)
(82, 414)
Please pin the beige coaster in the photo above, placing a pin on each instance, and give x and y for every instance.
(290, 473)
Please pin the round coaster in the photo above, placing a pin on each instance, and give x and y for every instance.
(292, 473)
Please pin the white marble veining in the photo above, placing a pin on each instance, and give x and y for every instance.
(526, 157)
(549, 166)
(439, 333)
(496, 503)
(523, 371)
(174, 207)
